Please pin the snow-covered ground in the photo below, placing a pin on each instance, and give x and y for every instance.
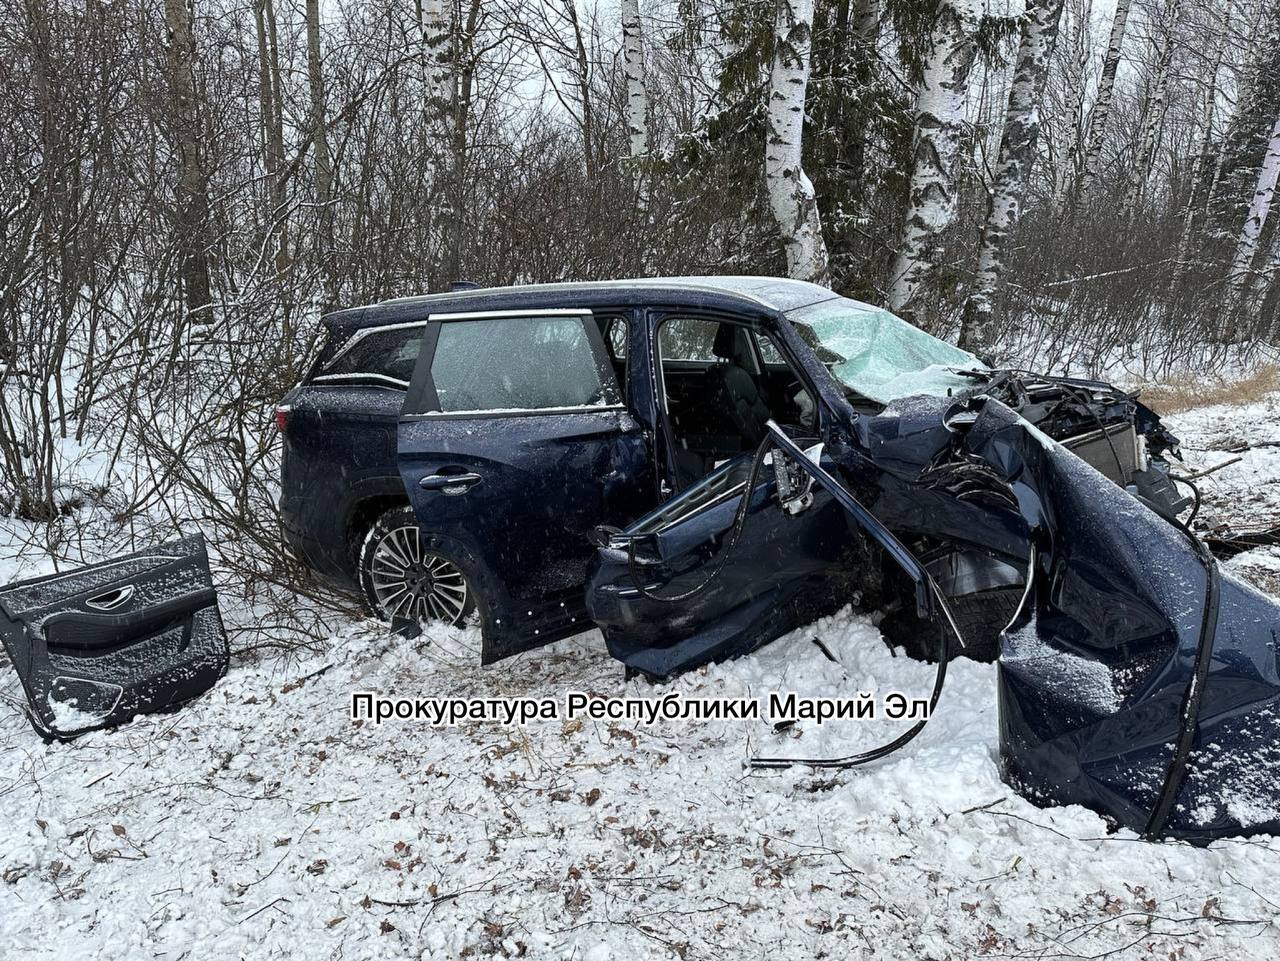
(262, 822)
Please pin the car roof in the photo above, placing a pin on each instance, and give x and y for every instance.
(751, 295)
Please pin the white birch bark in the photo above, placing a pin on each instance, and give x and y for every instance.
(1256, 219)
(1157, 103)
(436, 28)
(791, 194)
(637, 95)
(1101, 111)
(940, 112)
(1017, 153)
(867, 15)
(1206, 142)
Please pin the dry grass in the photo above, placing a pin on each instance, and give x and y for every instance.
(1179, 395)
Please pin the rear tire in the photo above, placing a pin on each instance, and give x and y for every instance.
(401, 577)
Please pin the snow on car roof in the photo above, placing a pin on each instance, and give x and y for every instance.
(767, 294)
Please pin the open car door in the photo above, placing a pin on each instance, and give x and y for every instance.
(706, 577)
(97, 646)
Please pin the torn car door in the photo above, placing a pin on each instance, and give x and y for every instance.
(514, 443)
(97, 646)
(705, 577)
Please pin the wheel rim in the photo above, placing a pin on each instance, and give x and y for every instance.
(413, 583)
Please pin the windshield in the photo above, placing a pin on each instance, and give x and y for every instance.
(879, 355)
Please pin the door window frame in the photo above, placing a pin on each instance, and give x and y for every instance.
(422, 403)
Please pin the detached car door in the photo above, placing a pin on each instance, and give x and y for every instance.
(513, 444)
(94, 647)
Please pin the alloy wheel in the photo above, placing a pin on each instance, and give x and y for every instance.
(413, 583)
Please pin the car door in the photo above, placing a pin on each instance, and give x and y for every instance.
(514, 443)
(704, 578)
(94, 647)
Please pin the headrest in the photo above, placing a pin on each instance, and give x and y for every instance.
(725, 346)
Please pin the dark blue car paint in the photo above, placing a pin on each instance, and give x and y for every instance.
(547, 481)
(1118, 592)
(1137, 679)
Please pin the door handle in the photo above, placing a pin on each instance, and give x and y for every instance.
(449, 483)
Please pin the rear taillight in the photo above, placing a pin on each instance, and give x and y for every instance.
(282, 417)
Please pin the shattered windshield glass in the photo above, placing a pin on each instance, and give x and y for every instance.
(881, 356)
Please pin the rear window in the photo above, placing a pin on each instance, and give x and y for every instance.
(379, 355)
(520, 364)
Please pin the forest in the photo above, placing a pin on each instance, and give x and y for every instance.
(188, 184)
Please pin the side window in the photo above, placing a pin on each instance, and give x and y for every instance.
(768, 353)
(513, 364)
(688, 338)
(616, 332)
(377, 355)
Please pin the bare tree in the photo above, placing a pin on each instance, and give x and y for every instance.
(637, 93)
(1017, 153)
(939, 127)
(1256, 219)
(791, 194)
(193, 188)
(1101, 112)
(323, 157)
(1155, 105)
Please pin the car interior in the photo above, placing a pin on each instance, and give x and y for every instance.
(722, 382)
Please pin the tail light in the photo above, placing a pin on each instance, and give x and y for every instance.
(282, 417)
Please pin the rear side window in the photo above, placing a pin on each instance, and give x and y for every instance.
(379, 355)
(521, 364)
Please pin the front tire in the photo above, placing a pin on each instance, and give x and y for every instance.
(402, 578)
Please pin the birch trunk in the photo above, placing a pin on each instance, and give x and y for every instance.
(436, 27)
(1067, 175)
(1153, 114)
(939, 127)
(1206, 143)
(1101, 111)
(1017, 153)
(637, 95)
(324, 162)
(791, 194)
(867, 15)
(1256, 219)
(193, 188)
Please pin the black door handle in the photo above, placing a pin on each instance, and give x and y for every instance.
(449, 483)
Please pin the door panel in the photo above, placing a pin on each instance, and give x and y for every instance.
(98, 646)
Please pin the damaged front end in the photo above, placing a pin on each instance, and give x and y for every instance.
(1137, 678)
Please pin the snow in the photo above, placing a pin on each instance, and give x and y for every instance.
(261, 821)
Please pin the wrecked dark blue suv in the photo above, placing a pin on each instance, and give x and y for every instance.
(454, 453)
(720, 459)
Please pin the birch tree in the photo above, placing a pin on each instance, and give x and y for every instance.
(193, 189)
(436, 24)
(939, 127)
(1256, 219)
(1039, 36)
(1101, 112)
(1157, 102)
(791, 195)
(637, 94)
